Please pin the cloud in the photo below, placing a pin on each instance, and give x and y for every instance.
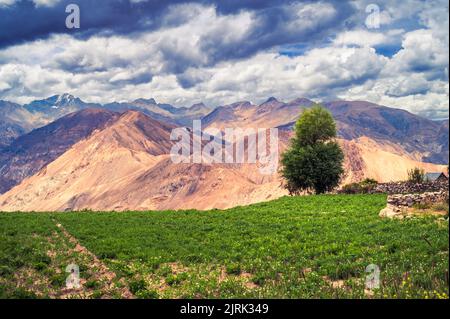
(362, 37)
(178, 47)
(25, 20)
(38, 3)
(422, 52)
(185, 52)
(6, 3)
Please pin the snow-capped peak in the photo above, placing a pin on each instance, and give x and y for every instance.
(64, 99)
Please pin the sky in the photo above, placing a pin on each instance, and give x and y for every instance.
(393, 53)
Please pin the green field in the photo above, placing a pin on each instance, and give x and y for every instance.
(294, 247)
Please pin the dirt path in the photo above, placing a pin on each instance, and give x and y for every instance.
(108, 283)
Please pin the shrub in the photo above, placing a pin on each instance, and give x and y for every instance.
(368, 185)
(39, 266)
(22, 293)
(98, 294)
(353, 188)
(441, 206)
(422, 206)
(416, 175)
(365, 187)
(5, 270)
(58, 280)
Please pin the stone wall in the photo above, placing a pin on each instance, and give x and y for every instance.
(398, 204)
(411, 188)
(409, 200)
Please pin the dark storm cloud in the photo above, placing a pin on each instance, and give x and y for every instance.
(274, 28)
(24, 21)
(275, 24)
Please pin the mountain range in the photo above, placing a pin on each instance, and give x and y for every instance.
(21, 119)
(117, 156)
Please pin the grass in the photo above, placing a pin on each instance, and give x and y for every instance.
(431, 208)
(302, 247)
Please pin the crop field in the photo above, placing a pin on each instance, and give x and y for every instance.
(294, 247)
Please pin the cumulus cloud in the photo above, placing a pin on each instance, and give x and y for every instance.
(185, 52)
(38, 3)
(363, 37)
(6, 3)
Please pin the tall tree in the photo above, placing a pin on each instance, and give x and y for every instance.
(315, 160)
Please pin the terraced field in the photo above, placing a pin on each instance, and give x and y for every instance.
(302, 247)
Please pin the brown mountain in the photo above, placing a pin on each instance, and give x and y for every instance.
(104, 162)
(31, 152)
(421, 138)
(427, 139)
(383, 161)
(57, 106)
(127, 166)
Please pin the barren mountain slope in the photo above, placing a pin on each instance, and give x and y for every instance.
(427, 139)
(120, 168)
(101, 163)
(31, 152)
(192, 186)
(385, 162)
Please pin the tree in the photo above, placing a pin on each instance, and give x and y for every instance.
(314, 160)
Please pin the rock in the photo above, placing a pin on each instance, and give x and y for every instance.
(389, 212)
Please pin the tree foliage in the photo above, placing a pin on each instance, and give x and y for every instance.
(314, 160)
(316, 125)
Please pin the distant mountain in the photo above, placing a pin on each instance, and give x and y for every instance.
(18, 120)
(442, 141)
(156, 113)
(9, 131)
(425, 138)
(57, 106)
(163, 112)
(31, 152)
(15, 120)
(271, 113)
